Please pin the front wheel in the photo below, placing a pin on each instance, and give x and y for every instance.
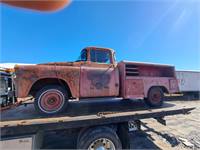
(155, 97)
(51, 99)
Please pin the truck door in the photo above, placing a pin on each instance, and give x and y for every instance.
(99, 78)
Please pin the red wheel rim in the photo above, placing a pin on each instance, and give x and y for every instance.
(156, 97)
(51, 101)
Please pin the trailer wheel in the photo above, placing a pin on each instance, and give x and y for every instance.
(155, 97)
(51, 99)
(99, 138)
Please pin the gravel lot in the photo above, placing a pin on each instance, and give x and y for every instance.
(181, 132)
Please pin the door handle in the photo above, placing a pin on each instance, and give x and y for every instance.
(116, 84)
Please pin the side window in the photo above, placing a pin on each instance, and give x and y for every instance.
(83, 56)
(100, 56)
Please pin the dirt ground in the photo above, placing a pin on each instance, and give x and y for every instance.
(181, 132)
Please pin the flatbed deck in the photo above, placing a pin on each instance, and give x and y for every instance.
(23, 120)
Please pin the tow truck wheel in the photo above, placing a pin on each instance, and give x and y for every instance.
(155, 97)
(51, 99)
(99, 138)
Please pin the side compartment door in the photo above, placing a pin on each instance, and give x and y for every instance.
(134, 88)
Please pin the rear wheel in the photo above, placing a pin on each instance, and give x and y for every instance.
(51, 99)
(155, 97)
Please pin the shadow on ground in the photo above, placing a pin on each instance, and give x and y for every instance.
(142, 140)
(171, 139)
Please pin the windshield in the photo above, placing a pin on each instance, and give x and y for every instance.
(83, 56)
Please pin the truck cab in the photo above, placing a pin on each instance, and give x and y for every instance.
(99, 75)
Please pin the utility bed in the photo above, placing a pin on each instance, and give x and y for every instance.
(23, 120)
(139, 78)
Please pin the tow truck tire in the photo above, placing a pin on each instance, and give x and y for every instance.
(155, 97)
(51, 99)
(99, 138)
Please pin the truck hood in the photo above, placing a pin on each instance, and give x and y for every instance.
(44, 66)
(59, 63)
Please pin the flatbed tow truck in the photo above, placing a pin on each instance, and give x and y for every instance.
(98, 124)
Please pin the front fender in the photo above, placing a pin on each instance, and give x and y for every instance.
(26, 76)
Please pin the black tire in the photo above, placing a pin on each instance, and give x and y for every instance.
(97, 134)
(51, 99)
(155, 97)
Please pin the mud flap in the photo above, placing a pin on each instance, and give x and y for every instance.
(123, 133)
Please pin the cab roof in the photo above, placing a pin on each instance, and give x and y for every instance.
(99, 48)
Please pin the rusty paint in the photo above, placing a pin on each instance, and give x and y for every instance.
(134, 88)
(26, 76)
(148, 75)
(91, 79)
(99, 79)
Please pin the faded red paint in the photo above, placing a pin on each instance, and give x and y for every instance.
(149, 75)
(26, 76)
(99, 81)
(92, 79)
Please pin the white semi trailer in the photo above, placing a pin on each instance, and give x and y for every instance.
(189, 82)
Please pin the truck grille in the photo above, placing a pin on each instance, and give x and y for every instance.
(132, 70)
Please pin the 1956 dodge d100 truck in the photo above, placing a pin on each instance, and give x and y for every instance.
(95, 74)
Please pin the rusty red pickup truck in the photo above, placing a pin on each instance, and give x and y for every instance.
(95, 74)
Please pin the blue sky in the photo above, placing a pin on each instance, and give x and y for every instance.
(152, 31)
